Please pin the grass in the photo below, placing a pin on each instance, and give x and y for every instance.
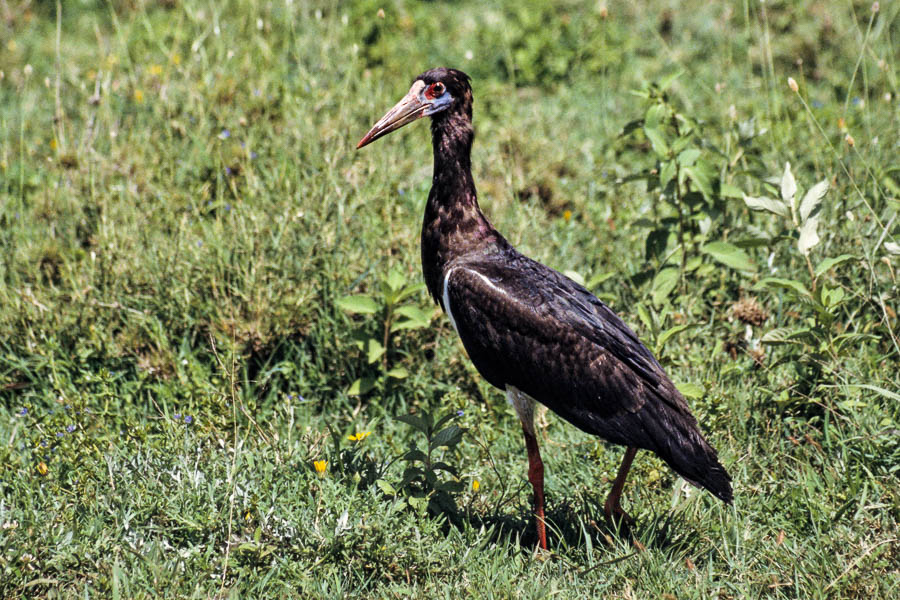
(182, 208)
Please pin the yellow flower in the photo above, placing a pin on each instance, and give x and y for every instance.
(475, 485)
(156, 70)
(360, 436)
(42, 468)
(138, 96)
(176, 58)
(567, 215)
(320, 466)
(53, 144)
(248, 516)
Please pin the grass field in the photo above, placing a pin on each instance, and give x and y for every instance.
(199, 273)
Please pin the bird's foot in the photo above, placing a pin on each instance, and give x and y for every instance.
(616, 515)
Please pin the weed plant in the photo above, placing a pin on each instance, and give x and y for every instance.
(220, 377)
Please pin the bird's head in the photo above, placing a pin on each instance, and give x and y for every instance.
(433, 93)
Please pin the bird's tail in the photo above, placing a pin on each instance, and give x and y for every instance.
(684, 448)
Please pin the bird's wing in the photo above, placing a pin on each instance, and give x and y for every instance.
(526, 325)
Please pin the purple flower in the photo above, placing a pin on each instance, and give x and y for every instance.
(177, 416)
(43, 443)
(253, 155)
(23, 412)
(228, 207)
(225, 134)
(199, 243)
(188, 419)
(228, 170)
(70, 428)
(460, 413)
(60, 434)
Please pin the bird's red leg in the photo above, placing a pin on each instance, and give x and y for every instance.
(536, 477)
(612, 506)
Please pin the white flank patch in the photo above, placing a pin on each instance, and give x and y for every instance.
(524, 405)
(491, 284)
(446, 299)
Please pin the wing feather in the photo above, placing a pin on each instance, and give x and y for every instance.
(526, 325)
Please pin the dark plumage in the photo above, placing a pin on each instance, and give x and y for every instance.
(532, 331)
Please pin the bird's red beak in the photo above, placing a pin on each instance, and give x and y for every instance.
(413, 106)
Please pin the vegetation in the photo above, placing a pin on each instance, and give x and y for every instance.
(219, 377)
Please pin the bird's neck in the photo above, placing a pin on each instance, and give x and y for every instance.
(454, 224)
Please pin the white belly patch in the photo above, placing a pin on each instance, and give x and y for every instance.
(445, 297)
(524, 405)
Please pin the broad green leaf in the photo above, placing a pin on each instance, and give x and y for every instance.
(413, 312)
(779, 335)
(688, 157)
(374, 350)
(668, 333)
(653, 116)
(812, 199)
(690, 390)
(408, 324)
(771, 205)
(669, 79)
(657, 140)
(788, 187)
(788, 284)
(395, 280)
(440, 422)
(415, 422)
(363, 385)
(681, 143)
(700, 176)
(385, 487)
(398, 373)
(663, 284)
(666, 173)
(832, 297)
(409, 291)
(575, 276)
(442, 466)
(598, 279)
(644, 316)
(415, 454)
(449, 436)
(359, 303)
(729, 255)
(728, 190)
(830, 263)
(809, 237)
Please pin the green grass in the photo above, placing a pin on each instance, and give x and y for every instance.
(181, 206)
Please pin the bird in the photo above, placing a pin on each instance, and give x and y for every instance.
(530, 330)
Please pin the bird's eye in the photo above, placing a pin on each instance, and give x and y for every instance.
(437, 89)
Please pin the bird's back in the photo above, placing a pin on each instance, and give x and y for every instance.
(528, 326)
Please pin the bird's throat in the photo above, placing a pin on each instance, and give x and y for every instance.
(454, 224)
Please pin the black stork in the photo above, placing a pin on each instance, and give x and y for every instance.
(532, 331)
